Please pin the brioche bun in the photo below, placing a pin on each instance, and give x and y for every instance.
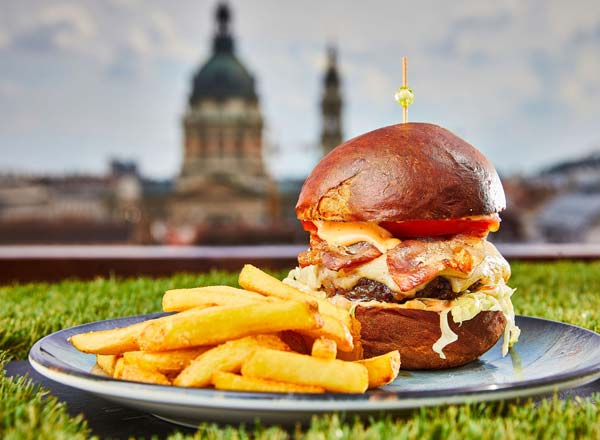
(413, 333)
(412, 171)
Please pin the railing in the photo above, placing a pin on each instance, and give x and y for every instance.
(52, 263)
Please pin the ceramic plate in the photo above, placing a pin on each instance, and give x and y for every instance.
(550, 356)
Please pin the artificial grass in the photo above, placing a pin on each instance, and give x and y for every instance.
(564, 291)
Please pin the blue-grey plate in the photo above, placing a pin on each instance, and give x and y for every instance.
(549, 356)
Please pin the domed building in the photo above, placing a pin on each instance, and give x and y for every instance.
(222, 180)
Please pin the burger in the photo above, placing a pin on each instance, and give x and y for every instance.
(398, 221)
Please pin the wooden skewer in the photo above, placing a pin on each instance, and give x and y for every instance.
(404, 109)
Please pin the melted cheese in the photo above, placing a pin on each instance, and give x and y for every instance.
(348, 233)
(311, 278)
(491, 270)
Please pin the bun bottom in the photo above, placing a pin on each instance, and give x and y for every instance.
(413, 333)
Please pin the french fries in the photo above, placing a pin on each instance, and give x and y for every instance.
(114, 341)
(382, 369)
(267, 337)
(235, 382)
(324, 348)
(333, 375)
(334, 330)
(254, 279)
(226, 357)
(178, 300)
(196, 327)
(107, 362)
(357, 352)
(165, 362)
(337, 321)
(126, 371)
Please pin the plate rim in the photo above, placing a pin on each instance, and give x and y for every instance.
(41, 360)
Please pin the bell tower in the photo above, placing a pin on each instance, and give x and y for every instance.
(331, 105)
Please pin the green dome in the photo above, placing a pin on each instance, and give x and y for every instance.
(223, 75)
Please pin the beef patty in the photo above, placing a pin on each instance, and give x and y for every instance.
(369, 290)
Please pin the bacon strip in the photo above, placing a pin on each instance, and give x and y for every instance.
(337, 258)
(313, 254)
(414, 262)
(350, 256)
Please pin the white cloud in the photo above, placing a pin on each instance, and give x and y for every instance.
(520, 79)
(60, 26)
(152, 34)
(74, 22)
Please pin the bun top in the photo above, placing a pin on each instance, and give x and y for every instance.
(412, 171)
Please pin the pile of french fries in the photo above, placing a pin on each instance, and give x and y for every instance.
(266, 337)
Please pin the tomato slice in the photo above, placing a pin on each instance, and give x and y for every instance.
(309, 226)
(479, 226)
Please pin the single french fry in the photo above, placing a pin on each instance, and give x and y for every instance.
(357, 352)
(335, 330)
(324, 348)
(166, 362)
(114, 341)
(235, 382)
(119, 365)
(382, 369)
(178, 300)
(227, 357)
(135, 373)
(197, 327)
(107, 362)
(254, 279)
(333, 375)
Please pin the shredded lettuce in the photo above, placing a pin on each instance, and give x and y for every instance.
(489, 298)
(495, 296)
(447, 337)
(304, 278)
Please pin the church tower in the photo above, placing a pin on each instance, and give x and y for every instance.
(222, 179)
(331, 105)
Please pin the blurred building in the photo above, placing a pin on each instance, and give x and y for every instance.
(70, 209)
(223, 183)
(561, 204)
(222, 194)
(573, 214)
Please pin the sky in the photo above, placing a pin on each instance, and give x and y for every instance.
(87, 80)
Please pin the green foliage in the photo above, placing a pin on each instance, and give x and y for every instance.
(548, 419)
(563, 291)
(31, 311)
(28, 412)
